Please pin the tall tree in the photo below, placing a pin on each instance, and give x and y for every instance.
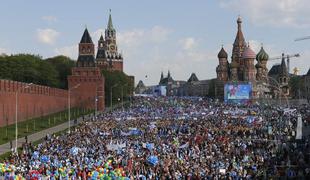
(63, 66)
(121, 83)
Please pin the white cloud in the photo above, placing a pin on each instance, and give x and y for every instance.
(159, 34)
(184, 56)
(49, 19)
(187, 43)
(136, 37)
(47, 36)
(70, 51)
(131, 38)
(190, 50)
(4, 51)
(292, 13)
(302, 63)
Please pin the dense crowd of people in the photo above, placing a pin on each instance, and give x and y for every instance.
(173, 138)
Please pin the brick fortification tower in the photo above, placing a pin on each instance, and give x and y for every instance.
(108, 56)
(86, 82)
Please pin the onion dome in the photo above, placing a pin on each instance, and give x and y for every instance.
(262, 55)
(248, 53)
(222, 54)
(234, 64)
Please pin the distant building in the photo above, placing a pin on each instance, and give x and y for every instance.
(279, 79)
(170, 87)
(194, 87)
(140, 88)
(305, 92)
(157, 90)
(170, 84)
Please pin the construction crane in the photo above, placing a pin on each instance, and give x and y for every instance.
(302, 38)
(287, 59)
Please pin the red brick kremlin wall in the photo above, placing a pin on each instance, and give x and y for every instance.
(33, 101)
(117, 65)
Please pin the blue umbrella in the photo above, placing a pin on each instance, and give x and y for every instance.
(152, 160)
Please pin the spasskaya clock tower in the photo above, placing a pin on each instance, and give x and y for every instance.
(107, 54)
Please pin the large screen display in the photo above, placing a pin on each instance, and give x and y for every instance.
(237, 92)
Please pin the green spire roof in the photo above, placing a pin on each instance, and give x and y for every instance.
(110, 24)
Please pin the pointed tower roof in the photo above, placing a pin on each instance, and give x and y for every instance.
(140, 84)
(161, 76)
(168, 76)
(239, 40)
(283, 70)
(101, 53)
(101, 38)
(192, 78)
(308, 73)
(110, 24)
(86, 37)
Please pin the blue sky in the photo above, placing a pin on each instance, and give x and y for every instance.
(154, 36)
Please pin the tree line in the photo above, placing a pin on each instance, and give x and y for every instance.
(30, 68)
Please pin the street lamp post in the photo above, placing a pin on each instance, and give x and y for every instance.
(125, 85)
(111, 94)
(96, 100)
(69, 105)
(16, 113)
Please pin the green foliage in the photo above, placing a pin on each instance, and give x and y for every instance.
(63, 66)
(121, 86)
(28, 68)
(296, 86)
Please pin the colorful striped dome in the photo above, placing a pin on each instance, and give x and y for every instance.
(248, 53)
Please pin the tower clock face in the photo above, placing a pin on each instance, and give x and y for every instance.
(112, 47)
